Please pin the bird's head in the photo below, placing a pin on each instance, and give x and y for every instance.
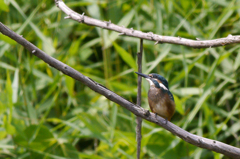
(155, 80)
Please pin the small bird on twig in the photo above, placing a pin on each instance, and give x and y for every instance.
(160, 99)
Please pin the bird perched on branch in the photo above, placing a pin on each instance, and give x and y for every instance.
(160, 99)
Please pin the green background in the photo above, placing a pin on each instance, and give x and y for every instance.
(45, 114)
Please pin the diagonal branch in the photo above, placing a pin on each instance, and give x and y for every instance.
(81, 18)
(199, 141)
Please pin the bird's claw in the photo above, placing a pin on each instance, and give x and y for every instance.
(166, 121)
(156, 117)
(147, 113)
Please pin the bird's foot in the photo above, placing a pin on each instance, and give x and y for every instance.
(156, 117)
(166, 121)
(147, 113)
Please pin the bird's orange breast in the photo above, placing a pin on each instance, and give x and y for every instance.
(160, 103)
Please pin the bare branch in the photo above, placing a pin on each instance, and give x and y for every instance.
(139, 96)
(148, 36)
(202, 142)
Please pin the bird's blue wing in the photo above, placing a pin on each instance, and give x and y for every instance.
(170, 95)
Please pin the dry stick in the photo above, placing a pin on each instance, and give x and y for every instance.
(159, 39)
(139, 119)
(199, 141)
(81, 18)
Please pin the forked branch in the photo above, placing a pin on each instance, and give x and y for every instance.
(81, 18)
(202, 142)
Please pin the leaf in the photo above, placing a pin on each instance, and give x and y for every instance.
(188, 91)
(7, 66)
(237, 62)
(226, 13)
(8, 126)
(15, 86)
(70, 85)
(40, 142)
(47, 42)
(10, 129)
(3, 6)
(123, 22)
(179, 105)
(161, 55)
(198, 105)
(230, 115)
(7, 39)
(85, 53)
(125, 56)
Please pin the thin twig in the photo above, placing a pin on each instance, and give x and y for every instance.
(199, 141)
(139, 96)
(81, 18)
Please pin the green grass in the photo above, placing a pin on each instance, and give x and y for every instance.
(45, 114)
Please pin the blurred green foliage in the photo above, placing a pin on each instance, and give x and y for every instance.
(45, 114)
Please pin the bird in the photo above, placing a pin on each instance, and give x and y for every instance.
(160, 99)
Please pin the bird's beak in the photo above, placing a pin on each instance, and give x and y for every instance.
(143, 75)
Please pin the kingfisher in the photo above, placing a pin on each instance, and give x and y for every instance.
(160, 99)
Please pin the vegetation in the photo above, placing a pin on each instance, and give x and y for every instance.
(45, 114)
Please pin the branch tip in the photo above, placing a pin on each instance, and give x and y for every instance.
(34, 51)
(67, 17)
(147, 113)
(121, 33)
(150, 34)
(57, 3)
(81, 18)
(108, 23)
(132, 30)
(200, 141)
